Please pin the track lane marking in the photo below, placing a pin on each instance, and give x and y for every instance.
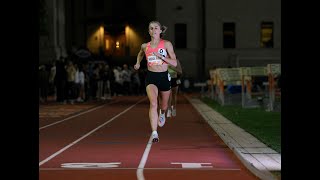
(87, 111)
(43, 127)
(144, 160)
(84, 136)
(119, 168)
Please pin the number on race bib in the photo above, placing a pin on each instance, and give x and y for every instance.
(163, 52)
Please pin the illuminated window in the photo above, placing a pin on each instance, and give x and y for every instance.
(229, 35)
(107, 44)
(266, 35)
(117, 44)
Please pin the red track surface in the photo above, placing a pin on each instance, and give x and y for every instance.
(123, 139)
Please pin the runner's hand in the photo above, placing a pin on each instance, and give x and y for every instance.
(136, 66)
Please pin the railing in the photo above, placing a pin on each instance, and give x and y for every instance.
(244, 76)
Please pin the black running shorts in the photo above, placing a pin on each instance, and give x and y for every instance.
(159, 79)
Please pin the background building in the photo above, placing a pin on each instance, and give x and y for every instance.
(205, 33)
(208, 33)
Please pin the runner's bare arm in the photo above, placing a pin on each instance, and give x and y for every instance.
(172, 56)
(140, 57)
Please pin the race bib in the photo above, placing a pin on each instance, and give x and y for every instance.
(153, 60)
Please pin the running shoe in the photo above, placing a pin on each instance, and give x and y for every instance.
(169, 113)
(155, 137)
(162, 119)
(174, 112)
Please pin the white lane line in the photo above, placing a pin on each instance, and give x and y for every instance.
(92, 131)
(119, 168)
(71, 117)
(144, 160)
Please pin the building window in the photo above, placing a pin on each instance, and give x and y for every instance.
(266, 35)
(229, 35)
(180, 34)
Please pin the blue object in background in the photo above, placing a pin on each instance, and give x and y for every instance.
(234, 89)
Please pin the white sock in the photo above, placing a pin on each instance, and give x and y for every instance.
(154, 132)
(161, 111)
